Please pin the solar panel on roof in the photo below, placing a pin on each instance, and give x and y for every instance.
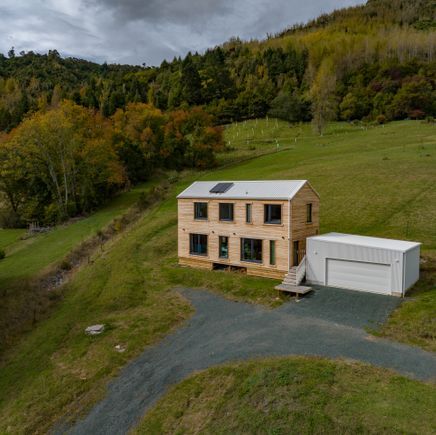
(221, 188)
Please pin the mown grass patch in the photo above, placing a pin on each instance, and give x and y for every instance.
(415, 321)
(27, 257)
(294, 395)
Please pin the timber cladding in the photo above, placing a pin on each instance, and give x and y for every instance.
(238, 229)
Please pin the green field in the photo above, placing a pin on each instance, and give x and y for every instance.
(378, 181)
(294, 395)
(25, 258)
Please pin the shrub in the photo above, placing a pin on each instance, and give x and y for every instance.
(2, 254)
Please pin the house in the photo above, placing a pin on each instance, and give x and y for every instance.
(260, 227)
(370, 264)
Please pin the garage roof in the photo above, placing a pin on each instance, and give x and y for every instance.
(371, 242)
(269, 189)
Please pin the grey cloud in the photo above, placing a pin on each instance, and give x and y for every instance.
(136, 31)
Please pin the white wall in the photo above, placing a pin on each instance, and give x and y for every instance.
(411, 267)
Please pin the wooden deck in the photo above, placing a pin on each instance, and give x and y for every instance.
(297, 289)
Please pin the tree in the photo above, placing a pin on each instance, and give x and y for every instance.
(415, 99)
(323, 96)
(190, 82)
(59, 163)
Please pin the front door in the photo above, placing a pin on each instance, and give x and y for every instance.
(295, 253)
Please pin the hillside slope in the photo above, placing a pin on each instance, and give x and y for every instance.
(375, 181)
(367, 61)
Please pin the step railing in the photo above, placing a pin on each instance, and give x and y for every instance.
(301, 271)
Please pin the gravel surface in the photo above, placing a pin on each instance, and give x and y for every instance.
(327, 323)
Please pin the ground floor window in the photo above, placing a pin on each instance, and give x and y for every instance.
(251, 250)
(223, 247)
(272, 252)
(198, 244)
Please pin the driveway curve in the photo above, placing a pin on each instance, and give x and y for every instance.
(330, 323)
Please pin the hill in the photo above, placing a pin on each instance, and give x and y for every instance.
(375, 61)
(373, 181)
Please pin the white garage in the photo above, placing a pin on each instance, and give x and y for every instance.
(362, 263)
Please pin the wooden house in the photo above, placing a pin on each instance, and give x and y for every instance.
(259, 227)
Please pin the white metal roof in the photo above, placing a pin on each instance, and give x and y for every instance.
(371, 242)
(268, 189)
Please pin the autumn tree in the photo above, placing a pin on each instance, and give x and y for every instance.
(323, 96)
(59, 163)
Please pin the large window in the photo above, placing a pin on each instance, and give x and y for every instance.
(272, 252)
(198, 244)
(248, 217)
(273, 214)
(226, 211)
(251, 250)
(309, 213)
(223, 247)
(200, 210)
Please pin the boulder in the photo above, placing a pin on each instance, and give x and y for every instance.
(94, 329)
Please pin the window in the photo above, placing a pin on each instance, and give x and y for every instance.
(272, 252)
(198, 244)
(248, 213)
(309, 213)
(223, 247)
(273, 214)
(200, 210)
(226, 211)
(251, 250)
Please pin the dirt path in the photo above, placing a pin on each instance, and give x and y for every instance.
(329, 323)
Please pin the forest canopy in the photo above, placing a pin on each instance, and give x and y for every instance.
(67, 160)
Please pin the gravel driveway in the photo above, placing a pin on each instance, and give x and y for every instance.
(327, 323)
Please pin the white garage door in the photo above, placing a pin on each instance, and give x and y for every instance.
(357, 275)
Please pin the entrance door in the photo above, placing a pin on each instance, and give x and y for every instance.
(295, 250)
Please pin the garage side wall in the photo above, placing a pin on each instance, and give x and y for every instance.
(411, 267)
(318, 252)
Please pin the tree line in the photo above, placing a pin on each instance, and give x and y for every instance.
(67, 159)
(375, 61)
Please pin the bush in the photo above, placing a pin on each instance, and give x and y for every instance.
(381, 119)
(2, 254)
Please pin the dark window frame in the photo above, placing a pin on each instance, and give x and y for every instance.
(268, 214)
(309, 213)
(195, 243)
(272, 253)
(197, 205)
(252, 245)
(249, 213)
(220, 238)
(231, 207)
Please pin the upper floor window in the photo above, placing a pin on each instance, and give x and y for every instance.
(198, 244)
(273, 214)
(248, 217)
(309, 213)
(226, 211)
(200, 210)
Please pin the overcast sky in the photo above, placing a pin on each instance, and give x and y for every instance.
(137, 31)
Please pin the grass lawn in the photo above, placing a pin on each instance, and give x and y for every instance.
(9, 237)
(377, 181)
(294, 395)
(25, 258)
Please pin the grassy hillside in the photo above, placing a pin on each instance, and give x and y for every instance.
(25, 258)
(306, 394)
(377, 181)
